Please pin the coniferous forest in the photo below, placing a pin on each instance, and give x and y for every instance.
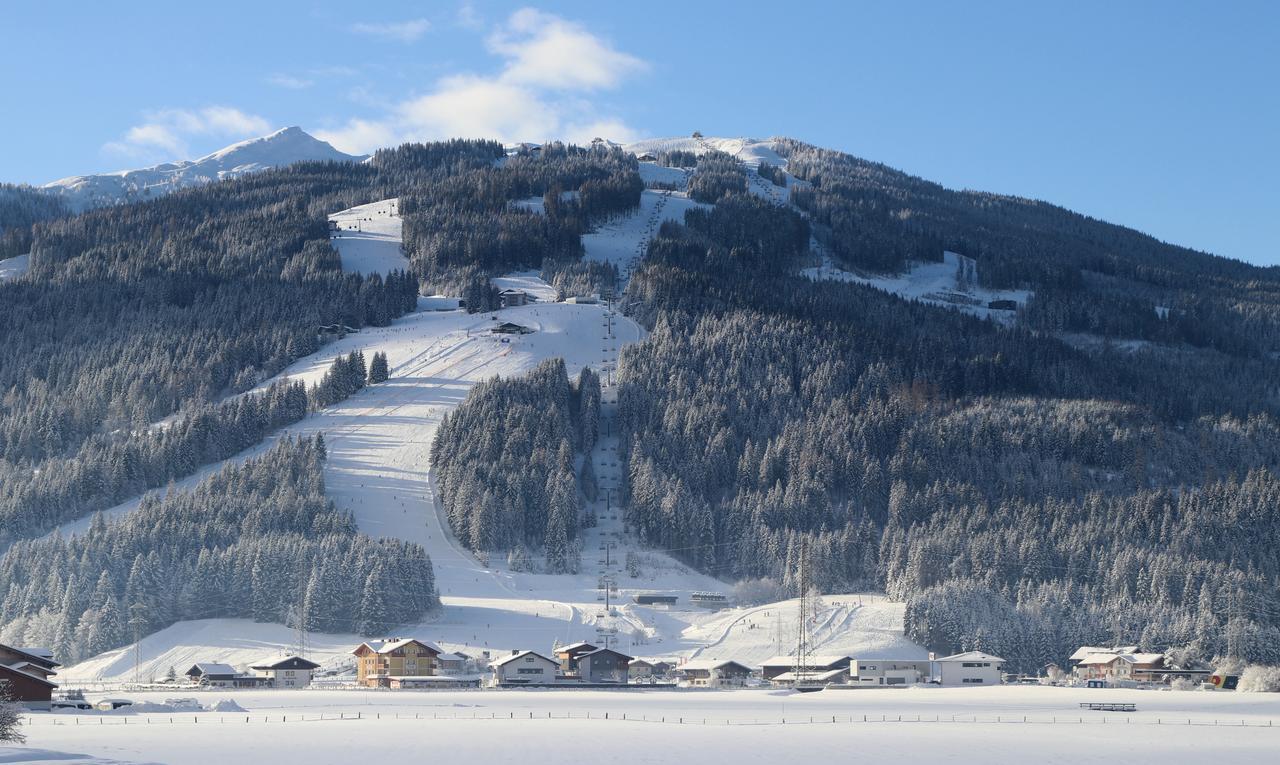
(257, 541)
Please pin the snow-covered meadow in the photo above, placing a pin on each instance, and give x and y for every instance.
(962, 725)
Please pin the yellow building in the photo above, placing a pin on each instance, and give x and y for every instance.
(377, 661)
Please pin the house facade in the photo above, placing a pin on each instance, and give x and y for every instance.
(291, 672)
(1138, 667)
(603, 665)
(524, 668)
(969, 668)
(26, 672)
(877, 672)
(714, 673)
(568, 655)
(377, 661)
(216, 675)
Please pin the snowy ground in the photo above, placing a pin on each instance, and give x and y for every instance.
(12, 268)
(368, 237)
(959, 725)
(623, 241)
(935, 283)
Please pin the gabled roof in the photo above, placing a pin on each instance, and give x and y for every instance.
(512, 657)
(1087, 650)
(579, 646)
(389, 645)
(1097, 659)
(811, 661)
(211, 668)
(971, 656)
(451, 657)
(290, 662)
(37, 655)
(599, 651)
(709, 664)
(16, 669)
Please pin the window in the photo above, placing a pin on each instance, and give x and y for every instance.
(529, 671)
(528, 660)
(969, 664)
(972, 680)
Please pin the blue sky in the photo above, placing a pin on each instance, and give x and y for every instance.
(1164, 116)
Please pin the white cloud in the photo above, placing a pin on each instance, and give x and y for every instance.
(360, 136)
(165, 132)
(468, 17)
(547, 51)
(290, 82)
(401, 31)
(548, 69)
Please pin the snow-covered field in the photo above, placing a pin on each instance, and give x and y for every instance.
(936, 283)
(961, 725)
(11, 268)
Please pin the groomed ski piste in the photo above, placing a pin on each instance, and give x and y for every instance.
(378, 468)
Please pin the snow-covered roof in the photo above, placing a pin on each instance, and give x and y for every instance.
(971, 656)
(816, 660)
(451, 657)
(289, 662)
(790, 677)
(391, 644)
(699, 665)
(599, 651)
(212, 668)
(1088, 650)
(512, 657)
(1096, 659)
(581, 645)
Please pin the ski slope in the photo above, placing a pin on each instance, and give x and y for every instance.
(935, 283)
(379, 470)
(368, 238)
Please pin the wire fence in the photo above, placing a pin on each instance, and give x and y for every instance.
(626, 717)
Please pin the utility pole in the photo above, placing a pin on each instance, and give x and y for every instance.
(137, 620)
(802, 637)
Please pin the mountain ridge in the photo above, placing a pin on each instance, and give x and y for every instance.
(282, 147)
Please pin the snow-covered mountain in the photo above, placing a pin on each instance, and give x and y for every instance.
(283, 147)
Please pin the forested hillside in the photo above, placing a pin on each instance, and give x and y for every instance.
(504, 463)
(1023, 493)
(258, 541)
(21, 207)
